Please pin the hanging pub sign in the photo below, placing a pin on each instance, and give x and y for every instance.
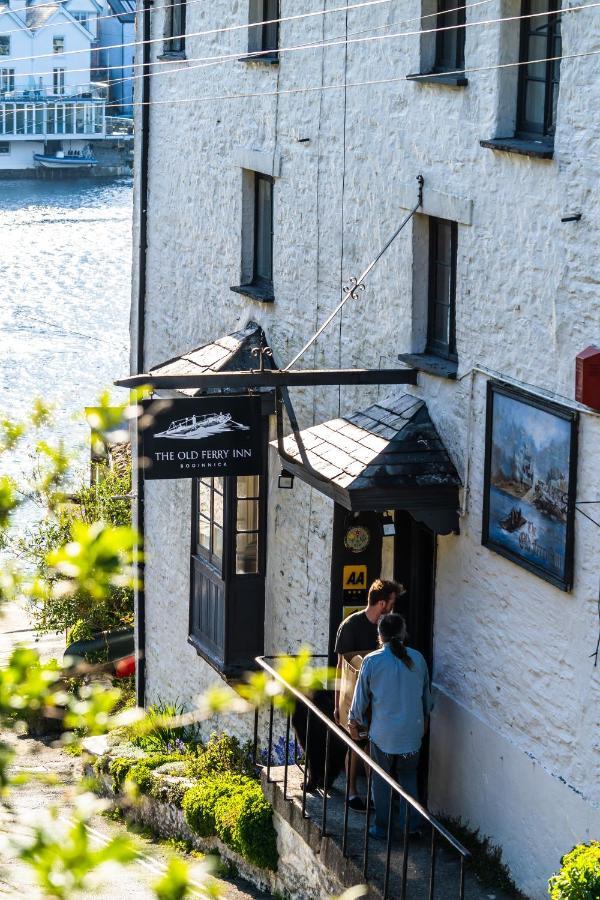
(201, 437)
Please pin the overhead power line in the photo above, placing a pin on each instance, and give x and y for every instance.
(347, 84)
(229, 57)
(220, 30)
(215, 60)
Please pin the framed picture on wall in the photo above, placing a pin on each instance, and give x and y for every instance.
(529, 482)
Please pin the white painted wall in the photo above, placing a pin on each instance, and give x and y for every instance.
(512, 652)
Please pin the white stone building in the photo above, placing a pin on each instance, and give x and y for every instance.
(493, 282)
(47, 103)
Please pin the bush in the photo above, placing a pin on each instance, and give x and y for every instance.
(121, 768)
(579, 876)
(223, 753)
(233, 807)
(162, 736)
(200, 801)
(80, 631)
(106, 501)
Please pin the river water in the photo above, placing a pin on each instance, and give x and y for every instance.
(65, 276)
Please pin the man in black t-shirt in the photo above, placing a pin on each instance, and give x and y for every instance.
(356, 634)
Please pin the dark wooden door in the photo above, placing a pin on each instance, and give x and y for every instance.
(414, 567)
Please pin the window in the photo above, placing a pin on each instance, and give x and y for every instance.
(4, 45)
(58, 44)
(263, 232)
(4, 148)
(441, 339)
(265, 37)
(227, 570)
(538, 81)
(7, 80)
(175, 27)
(450, 44)
(82, 18)
(58, 81)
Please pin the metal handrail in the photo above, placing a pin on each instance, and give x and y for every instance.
(340, 733)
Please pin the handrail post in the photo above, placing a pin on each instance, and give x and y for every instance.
(255, 743)
(405, 849)
(432, 865)
(461, 891)
(346, 798)
(388, 856)
(270, 743)
(324, 816)
(304, 816)
(367, 813)
(287, 753)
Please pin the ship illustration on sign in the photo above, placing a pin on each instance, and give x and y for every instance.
(196, 428)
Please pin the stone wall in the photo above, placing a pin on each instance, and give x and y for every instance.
(511, 651)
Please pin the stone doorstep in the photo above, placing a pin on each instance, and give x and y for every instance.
(167, 821)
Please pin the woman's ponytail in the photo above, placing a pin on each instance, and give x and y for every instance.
(392, 631)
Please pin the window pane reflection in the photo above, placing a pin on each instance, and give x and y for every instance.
(217, 542)
(247, 515)
(246, 554)
(247, 486)
(204, 532)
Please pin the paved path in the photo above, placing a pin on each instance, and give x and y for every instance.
(48, 764)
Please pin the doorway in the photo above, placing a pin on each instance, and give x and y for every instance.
(409, 557)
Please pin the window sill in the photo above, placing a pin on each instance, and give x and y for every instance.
(439, 78)
(522, 146)
(431, 364)
(269, 59)
(255, 292)
(229, 674)
(172, 54)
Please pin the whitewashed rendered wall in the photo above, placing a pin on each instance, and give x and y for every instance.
(511, 652)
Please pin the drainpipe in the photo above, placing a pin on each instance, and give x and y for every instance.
(144, 137)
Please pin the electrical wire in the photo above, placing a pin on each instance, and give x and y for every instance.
(315, 44)
(371, 83)
(223, 29)
(216, 60)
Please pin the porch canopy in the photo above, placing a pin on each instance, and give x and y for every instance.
(229, 353)
(388, 456)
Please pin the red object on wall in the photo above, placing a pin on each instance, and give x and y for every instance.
(125, 667)
(587, 377)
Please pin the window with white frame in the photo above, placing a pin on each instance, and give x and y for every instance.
(4, 45)
(58, 44)
(7, 80)
(83, 18)
(58, 81)
(4, 148)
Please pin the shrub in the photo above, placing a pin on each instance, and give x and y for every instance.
(80, 631)
(223, 753)
(233, 807)
(579, 876)
(122, 768)
(159, 735)
(200, 801)
(106, 500)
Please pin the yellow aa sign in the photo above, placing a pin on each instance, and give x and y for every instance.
(355, 578)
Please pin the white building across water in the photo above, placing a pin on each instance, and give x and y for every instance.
(477, 485)
(49, 105)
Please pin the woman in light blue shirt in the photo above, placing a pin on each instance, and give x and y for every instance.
(394, 684)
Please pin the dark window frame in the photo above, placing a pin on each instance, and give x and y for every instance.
(444, 39)
(5, 148)
(260, 280)
(434, 345)
(230, 644)
(4, 44)
(263, 39)
(175, 25)
(528, 128)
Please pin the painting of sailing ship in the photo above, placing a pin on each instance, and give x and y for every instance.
(530, 482)
(197, 428)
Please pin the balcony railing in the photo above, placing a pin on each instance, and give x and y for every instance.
(387, 869)
(52, 118)
(94, 91)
